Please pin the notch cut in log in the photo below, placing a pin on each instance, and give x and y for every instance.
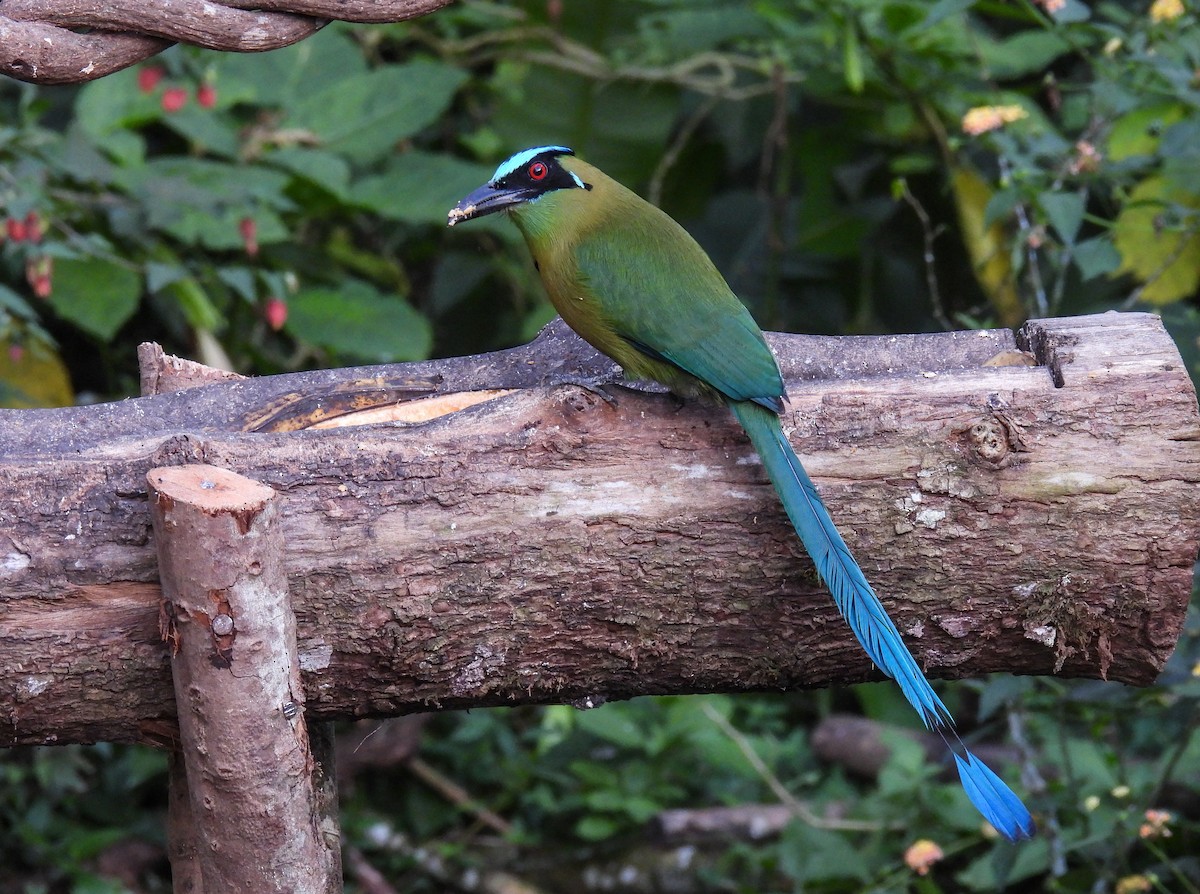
(543, 545)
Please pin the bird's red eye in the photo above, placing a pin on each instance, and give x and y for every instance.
(538, 171)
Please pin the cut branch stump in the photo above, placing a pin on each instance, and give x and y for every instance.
(255, 819)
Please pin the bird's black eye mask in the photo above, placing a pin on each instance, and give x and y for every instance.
(538, 176)
(524, 178)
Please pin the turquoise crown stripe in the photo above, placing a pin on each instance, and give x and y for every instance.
(525, 156)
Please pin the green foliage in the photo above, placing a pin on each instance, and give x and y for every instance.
(62, 808)
(287, 209)
(205, 194)
(581, 786)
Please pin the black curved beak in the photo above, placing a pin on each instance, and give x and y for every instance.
(488, 199)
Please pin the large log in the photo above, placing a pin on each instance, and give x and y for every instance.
(544, 545)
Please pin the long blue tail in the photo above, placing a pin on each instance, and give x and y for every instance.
(867, 617)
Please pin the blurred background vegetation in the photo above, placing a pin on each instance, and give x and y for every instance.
(851, 165)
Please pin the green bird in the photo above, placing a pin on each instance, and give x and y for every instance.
(634, 284)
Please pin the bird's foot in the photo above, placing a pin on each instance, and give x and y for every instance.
(593, 385)
(600, 385)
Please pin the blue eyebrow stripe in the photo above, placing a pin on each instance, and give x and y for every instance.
(524, 157)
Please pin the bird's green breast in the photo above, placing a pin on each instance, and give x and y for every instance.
(634, 284)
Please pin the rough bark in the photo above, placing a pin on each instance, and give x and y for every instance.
(545, 545)
(205, 24)
(36, 44)
(46, 54)
(182, 849)
(232, 634)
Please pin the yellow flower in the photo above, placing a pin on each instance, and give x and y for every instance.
(1165, 10)
(981, 119)
(1121, 791)
(1091, 802)
(921, 855)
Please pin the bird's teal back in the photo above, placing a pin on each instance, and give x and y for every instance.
(636, 285)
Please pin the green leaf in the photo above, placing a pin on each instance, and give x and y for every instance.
(614, 723)
(640, 809)
(96, 295)
(1096, 257)
(1064, 210)
(363, 117)
(693, 29)
(1000, 206)
(242, 280)
(596, 828)
(201, 202)
(160, 275)
(852, 57)
(1165, 257)
(328, 170)
(114, 103)
(359, 322)
(1140, 131)
(419, 187)
(197, 309)
(282, 77)
(1000, 691)
(12, 301)
(944, 9)
(996, 870)
(593, 773)
(34, 376)
(1071, 12)
(815, 855)
(206, 131)
(606, 800)
(1028, 52)
(210, 183)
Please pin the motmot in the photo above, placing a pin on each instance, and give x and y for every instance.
(632, 282)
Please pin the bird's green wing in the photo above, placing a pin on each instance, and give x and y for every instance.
(667, 300)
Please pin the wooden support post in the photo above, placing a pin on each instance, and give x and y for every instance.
(245, 747)
(186, 877)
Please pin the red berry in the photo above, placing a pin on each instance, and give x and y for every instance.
(33, 227)
(37, 273)
(16, 229)
(206, 95)
(16, 353)
(275, 312)
(174, 99)
(148, 77)
(249, 230)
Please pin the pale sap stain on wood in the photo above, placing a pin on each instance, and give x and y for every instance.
(1069, 482)
(14, 563)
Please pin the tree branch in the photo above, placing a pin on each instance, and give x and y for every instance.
(541, 545)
